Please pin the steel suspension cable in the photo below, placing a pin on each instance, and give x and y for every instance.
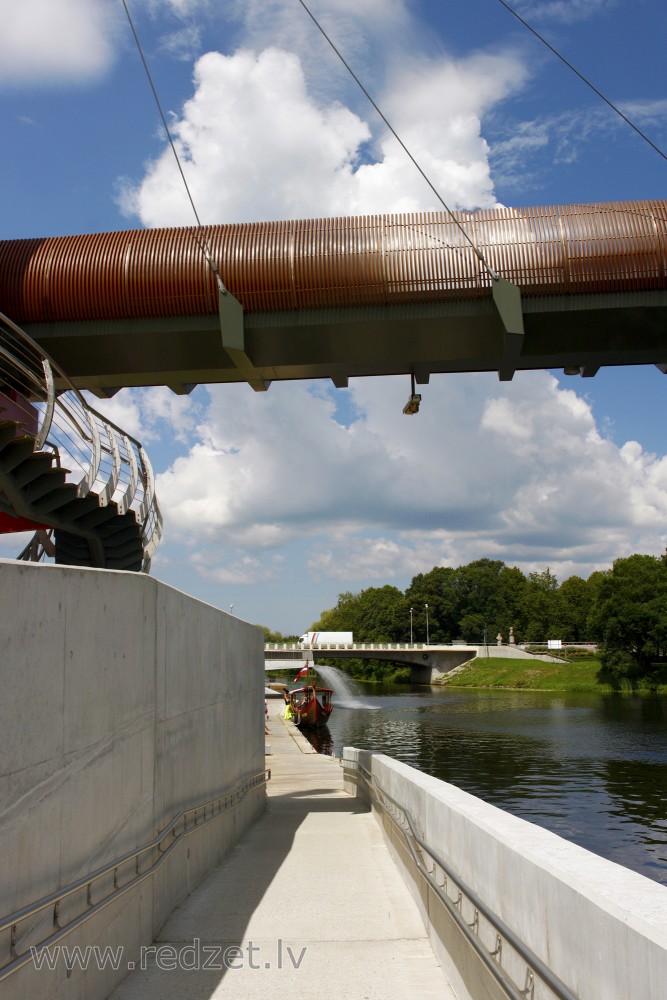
(583, 78)
(202, 241)
(478, 253)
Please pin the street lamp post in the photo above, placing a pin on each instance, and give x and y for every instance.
(411, 613)
(427, 641)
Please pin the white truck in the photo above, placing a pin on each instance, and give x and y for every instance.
(325, 638)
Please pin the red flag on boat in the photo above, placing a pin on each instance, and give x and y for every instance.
(302, 672)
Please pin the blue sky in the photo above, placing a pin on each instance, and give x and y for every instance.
(275, 503)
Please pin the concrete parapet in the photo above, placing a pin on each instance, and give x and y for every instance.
(599, 927)
(123, 702)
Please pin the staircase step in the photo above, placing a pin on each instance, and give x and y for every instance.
(98, 518)
(71, 550)
(124, 521)
(71, 540)
(33, 466)
(129, 565)
(7, 432)
(16, 451)
(77, 508)
(73, 553)
(64, 559)
(49, 481)
(72, 556)
(85, 534)
(121, 551)
(54, 501)
(112, 535)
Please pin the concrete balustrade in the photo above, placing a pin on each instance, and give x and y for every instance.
(428, 663)
(123, 702)
(599, 927)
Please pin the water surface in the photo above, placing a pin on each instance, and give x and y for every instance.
(591, 768)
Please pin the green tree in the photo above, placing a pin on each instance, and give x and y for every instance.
(270, 636)
(511, 589)
(540, 607)
(439, 590)
(575, 598)
(474, 628)
(629, 616)
(373, 615)
(483, 599)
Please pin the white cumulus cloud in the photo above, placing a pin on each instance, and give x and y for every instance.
(514, 471)
(46, 41)
(257, 143)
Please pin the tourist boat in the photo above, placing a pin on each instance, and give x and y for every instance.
(311, 706)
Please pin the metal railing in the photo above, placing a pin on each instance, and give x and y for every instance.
(319, 646)
(111, 880)
(97, 455)
(471, 913)
(434, 646)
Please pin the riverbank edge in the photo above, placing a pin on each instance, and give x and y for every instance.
(579, 677)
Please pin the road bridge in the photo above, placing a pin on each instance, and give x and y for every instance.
(427, 663)
(573, 287)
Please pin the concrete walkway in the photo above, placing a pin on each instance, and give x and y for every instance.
(308, 904)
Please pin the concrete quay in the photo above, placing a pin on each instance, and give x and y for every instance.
(309, 902)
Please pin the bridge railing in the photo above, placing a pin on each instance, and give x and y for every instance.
(319, 646)
(97, 456)
(342, 645)
(456, 644)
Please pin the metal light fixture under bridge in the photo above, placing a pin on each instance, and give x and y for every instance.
(412, 405)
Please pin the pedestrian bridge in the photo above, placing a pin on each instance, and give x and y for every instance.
(134, 753)
(572, 287)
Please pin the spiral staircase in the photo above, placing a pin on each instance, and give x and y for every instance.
(84, 486)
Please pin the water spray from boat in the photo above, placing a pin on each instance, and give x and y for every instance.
(348, 693)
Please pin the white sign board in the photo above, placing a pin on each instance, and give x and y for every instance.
(554, 643)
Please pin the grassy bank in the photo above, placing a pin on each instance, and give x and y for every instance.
(534, 675)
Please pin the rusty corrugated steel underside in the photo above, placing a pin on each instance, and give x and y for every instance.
(343, 297)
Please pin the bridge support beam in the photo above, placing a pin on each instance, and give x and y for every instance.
(507, 300)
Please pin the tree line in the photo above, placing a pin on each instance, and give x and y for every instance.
(624, 609)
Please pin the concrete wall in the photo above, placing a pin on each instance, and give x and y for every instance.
(123, 702)
(600, 927)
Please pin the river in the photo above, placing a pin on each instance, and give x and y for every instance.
(591, 768)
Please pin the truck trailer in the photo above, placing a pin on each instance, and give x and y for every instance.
(325, 638)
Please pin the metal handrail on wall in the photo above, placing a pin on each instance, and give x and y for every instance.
(98, 456)
(431, 866)
(160, 847)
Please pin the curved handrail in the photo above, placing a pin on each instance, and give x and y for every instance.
(84, 442)
(25, 374)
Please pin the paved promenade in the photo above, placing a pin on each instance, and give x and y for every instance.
(308, 904)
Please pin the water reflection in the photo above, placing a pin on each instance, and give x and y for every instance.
(591, 768)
